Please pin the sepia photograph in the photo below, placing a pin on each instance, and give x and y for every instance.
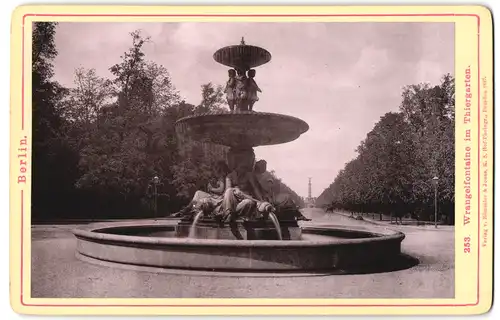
(243, 160)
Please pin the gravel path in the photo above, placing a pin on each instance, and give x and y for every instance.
(56, 273)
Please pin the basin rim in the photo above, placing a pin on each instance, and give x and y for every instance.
(377, 235)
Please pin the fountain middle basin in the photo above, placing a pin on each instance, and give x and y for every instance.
(155, 244)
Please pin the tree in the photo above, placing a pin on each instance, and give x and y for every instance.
(84, 105)
(89, 95)
(54, 163)
(212, 99)
(429, 113)
(396, 161)
(127, 146)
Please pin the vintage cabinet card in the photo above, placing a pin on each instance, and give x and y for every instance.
(251, 160)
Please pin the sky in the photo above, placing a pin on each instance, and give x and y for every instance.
(338, 77)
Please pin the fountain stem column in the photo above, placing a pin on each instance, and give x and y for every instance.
(242, 158)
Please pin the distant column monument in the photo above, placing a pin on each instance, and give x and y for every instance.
(310, 200)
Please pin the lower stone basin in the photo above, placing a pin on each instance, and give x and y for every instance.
(155, 244)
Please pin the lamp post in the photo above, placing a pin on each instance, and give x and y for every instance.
(155, 182)
(435, 183)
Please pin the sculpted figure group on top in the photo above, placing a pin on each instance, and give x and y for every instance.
(241, 90)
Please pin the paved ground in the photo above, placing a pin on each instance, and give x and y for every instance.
(57, 273)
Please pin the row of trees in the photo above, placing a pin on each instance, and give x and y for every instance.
(97, 145)
(393, 171)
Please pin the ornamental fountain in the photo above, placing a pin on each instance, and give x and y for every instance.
(242, 227)
(241, 129)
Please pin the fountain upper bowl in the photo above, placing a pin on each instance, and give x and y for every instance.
(241, 129)
(242, 57)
